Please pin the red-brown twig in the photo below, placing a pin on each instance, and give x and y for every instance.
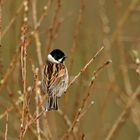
(85, 100)
(36, 35)
(23, 54)
(6, 128)
(86, 66)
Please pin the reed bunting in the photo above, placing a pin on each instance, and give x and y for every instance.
(54, 78)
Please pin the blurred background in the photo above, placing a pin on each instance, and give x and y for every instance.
(79, 28)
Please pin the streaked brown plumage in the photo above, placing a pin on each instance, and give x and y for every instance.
(54, 83)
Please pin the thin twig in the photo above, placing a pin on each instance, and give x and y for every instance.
(86, 66)
(36, 35)
(85, 100)
(23, 53)
(37, 91)
(6, 129)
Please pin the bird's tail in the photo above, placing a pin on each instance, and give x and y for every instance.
(52, 103)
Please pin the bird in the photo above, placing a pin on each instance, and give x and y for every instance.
(54, 78)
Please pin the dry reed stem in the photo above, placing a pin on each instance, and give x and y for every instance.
(16, 106)
(34, 120)
(86, 66)
(39, 102)
(16, 56)
(23, 54)
(36, 35)
(6, 127)
(37, 121)
(82, 109)
(37, 92)
(116, 127)
(36, 117)
(19, 113)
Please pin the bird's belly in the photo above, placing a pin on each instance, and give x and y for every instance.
(62, 89)
(64, 86)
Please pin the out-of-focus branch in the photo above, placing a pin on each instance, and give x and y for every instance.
(123, 19)
(123, 116)
(23, 54)
(82, 109)
(86, 66)
(36, 35)
(6, 128)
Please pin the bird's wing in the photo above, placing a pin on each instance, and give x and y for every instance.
(53, 77)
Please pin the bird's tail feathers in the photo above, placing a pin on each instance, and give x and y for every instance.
(52, 103)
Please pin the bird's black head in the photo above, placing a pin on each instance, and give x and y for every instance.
(56, 56)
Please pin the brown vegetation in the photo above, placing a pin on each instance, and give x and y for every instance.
(101, 103)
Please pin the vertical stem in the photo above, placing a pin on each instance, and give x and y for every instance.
(6, 129)
(23, 53)
(124, 68)
(37, 91)
(36, 35)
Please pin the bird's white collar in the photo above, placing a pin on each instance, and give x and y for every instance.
(51, 59)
